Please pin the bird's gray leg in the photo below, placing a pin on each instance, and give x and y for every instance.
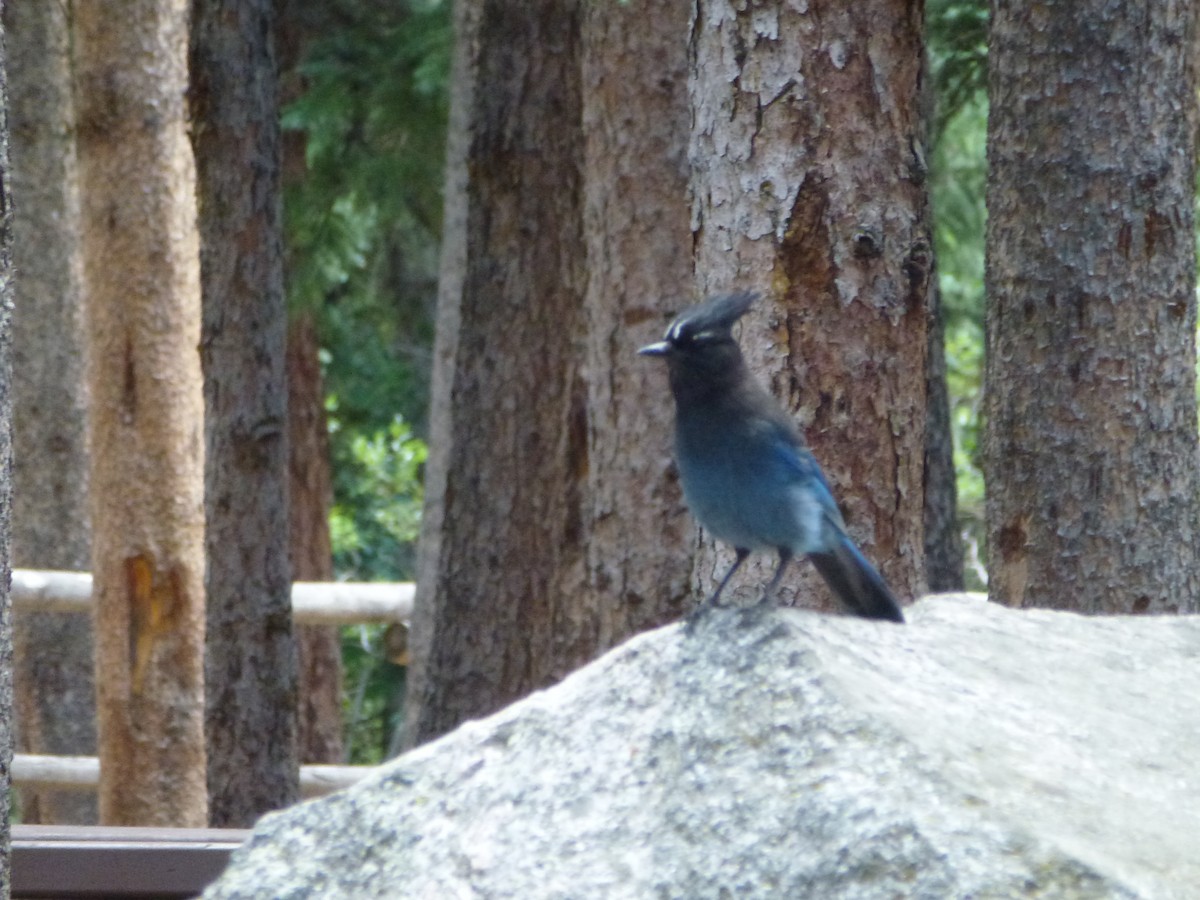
(711, 603)
(742, 553)
(785, 557)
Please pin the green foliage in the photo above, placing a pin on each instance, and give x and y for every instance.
(362, 235)
(956, 33)
(958, 48)
(375, 694)
(376, 513)
(363, 224)
(362, 228)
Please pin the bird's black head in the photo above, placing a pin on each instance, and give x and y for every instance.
(703, 327)
(699, 344)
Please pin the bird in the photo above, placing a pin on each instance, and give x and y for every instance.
(746, 473)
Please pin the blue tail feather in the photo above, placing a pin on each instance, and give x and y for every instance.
(856, 582)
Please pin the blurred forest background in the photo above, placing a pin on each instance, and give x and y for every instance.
(363, 230)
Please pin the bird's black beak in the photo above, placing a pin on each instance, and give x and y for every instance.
(661, 348)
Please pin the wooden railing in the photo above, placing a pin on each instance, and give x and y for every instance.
(71, 861)
(82, 773)
(313, 603)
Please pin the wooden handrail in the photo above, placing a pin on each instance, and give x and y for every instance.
(313, 602)
(82, 773)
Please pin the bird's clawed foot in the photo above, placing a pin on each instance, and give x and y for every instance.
(701, 612)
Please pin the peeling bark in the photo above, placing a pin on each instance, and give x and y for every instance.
(809, 184)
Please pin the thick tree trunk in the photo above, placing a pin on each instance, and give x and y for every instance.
(146, 416)
(509, 433)
(6, 493)
(250, 653)
(55, 697)
(810, 184)
(311, 487)
(640, 540)
(1090, 442)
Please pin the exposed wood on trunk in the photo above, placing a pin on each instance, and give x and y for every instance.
(146, 420)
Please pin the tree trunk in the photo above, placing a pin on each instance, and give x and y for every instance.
(310, 483)
(944, 555)
(943, 541)
(1090, 441)
(146, 417)
(509, 429)
(311, 487)
(636, 218)
(250, 653)
(55, 696)
(810, 184)
(6, 494)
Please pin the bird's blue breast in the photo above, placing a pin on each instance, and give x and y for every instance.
(751, 486)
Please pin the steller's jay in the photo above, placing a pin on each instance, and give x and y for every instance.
(746, 474)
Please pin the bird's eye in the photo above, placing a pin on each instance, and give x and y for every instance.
(680, 335)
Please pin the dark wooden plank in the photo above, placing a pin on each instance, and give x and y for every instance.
(68, 862)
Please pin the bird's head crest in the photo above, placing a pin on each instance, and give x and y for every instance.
(709, 322)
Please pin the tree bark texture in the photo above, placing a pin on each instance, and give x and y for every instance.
(6, 493)
(943, 540)
(146, 420)
(250, 653)
(311, 496)
(809, 184)
(310, 484)
(636, 219)
(55, 695)
(1090, 442)
(509, 430)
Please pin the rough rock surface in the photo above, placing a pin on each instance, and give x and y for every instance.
(977, 751)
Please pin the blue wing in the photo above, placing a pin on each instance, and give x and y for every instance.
(849, 575)
(804, 471)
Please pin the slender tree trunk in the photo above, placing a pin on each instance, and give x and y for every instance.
(146, 420)
(55, 696)
(250, 653)
(311, 487)
(1090, 443)
(310, 484)
(810, 184)
(943, 542)
(636, 217)
(6, 494)
(509, 434)
(944, 556)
